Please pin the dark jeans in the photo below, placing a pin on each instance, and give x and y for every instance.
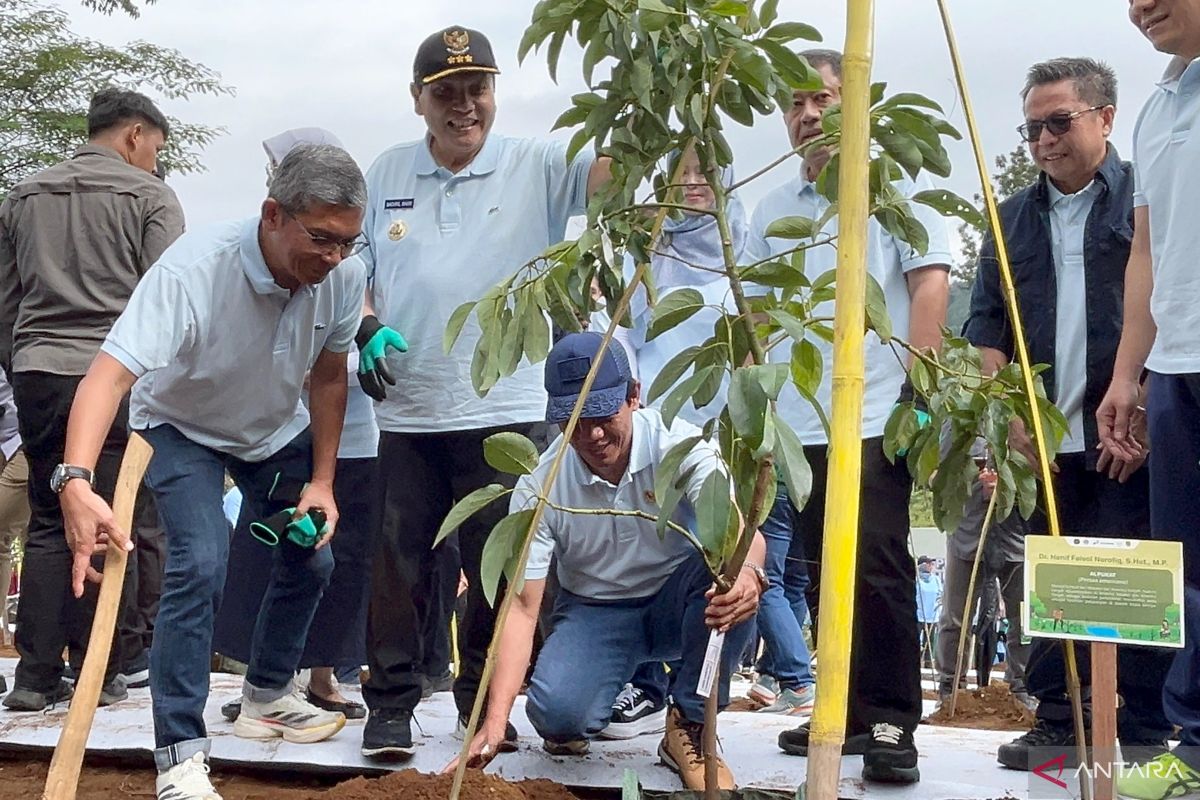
(447, 562)
(1091, 503)
(885, 609)
(783, 608)
(150, 558)
(48, 616)
(596, 645)
(422, 475)
(188, 480)
(1173, 414)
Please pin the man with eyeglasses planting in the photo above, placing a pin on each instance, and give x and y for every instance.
(1068, 238)
(215, 344)
(451, 215)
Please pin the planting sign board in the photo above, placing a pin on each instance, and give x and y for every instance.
(1107, 590)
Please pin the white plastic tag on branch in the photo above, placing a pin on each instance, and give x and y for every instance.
(712, 657)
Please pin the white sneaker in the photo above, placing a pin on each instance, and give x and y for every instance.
(186, 781)
(291, 716)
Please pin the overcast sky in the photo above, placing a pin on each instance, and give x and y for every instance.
(346, 66)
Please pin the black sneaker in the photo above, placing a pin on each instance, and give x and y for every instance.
(795, 742)
(1046, 741)
(509, 745)
(1142, 751)
(28, 700)
(232, 710)
(387, 736)
(633, 714)
(891, 755)
(431, 685)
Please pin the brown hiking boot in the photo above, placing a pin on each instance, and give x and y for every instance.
(682, 750)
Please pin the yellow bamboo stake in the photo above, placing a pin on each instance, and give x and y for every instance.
(1014, 313)
(839, 551)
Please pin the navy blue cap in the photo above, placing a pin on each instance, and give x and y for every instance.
(569, 363)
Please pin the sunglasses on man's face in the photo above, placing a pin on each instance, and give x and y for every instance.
(1057, 124)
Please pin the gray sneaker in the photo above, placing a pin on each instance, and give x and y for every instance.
(764, 690)
(20, 699)
(793, 701)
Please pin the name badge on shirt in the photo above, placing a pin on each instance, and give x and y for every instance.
(398, 204)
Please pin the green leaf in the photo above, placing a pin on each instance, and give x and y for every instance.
(949, 204)
(748, 405)
(713, 509)
(502, 547)
(911, 99)
(792, 463)
(807, 367)
(537, 333)
(466, 507)
(510, 453)
(682, 393)
(771, 377)
(673, 309)
(455, 325)
(769, 12)
(778, 274)
(657, 5)
(877, 311)
(667, 483)
(670, 372)
(787, 31)
(791, 228)
(728, 8)
(791, 67)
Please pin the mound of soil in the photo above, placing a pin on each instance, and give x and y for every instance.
(24, 777)
(991, 708)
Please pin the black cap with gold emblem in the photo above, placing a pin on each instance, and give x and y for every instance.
(455, 49)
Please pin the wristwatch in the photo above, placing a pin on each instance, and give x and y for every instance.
(65, 472)
(764, 582)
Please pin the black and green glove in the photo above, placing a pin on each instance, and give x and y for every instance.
(373, 340)
(910, 395)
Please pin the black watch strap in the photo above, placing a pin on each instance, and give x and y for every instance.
(68, 472)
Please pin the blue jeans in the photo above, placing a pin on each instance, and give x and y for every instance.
(595, 646)
(783, 608)
(187, 480)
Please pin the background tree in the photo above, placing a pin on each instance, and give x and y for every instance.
(48, 74)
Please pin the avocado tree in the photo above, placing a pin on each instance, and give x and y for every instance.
(663, 76)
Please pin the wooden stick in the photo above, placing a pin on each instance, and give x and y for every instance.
(1104, 718)
(63, 779)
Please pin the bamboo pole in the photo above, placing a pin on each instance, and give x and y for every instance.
(1014, 313)
(839, 551)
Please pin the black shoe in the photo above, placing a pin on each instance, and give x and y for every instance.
(3, 684)
(1142, 751)
(509, 745)
(232, 710)
(387, 736)
(1045, 742)
(28, 700)
(891, 755)
(113, 692)
(349, 709)
(137, 671)
(439, 683)
(633, 714)
(795, 742)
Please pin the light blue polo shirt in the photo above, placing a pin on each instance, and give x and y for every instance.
(614, 557)
(1166, 156)
(888, 259)
(438, 239)
(221, 350)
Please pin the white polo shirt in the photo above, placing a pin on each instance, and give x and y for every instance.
(1068, 223)
(360, 434)
(1166, 158)
(438, 239)
(888, 259)
(614, 557)
(221, 350)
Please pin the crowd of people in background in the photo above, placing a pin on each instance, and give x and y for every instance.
(298, 355)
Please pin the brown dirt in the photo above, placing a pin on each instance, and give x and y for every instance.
(8, 651)
(24, 777)
(743, 704)
(991, 708)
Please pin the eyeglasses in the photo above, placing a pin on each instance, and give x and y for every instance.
(1057, 124)
(327, 244)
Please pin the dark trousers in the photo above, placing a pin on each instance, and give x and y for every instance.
(447, 562)
(150, 558)
(1092, 504)
(422, 475)
(885, 609)
(48, 616)
(1173, 414)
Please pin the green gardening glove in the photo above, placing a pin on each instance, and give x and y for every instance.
(373, 340)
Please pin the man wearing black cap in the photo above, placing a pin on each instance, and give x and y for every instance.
(627, 596)
(450, 216)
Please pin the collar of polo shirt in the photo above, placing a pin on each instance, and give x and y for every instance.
(485, 161)
(640, 456)
(255, 265)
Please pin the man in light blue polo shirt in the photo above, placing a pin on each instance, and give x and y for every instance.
(886, 704)
(1162, 316)
(450, 216)
(627, 596)
(216, 342)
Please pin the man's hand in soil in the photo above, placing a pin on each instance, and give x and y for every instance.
(484, 746)
(319, 494)
(737, 605)
(90, 526)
